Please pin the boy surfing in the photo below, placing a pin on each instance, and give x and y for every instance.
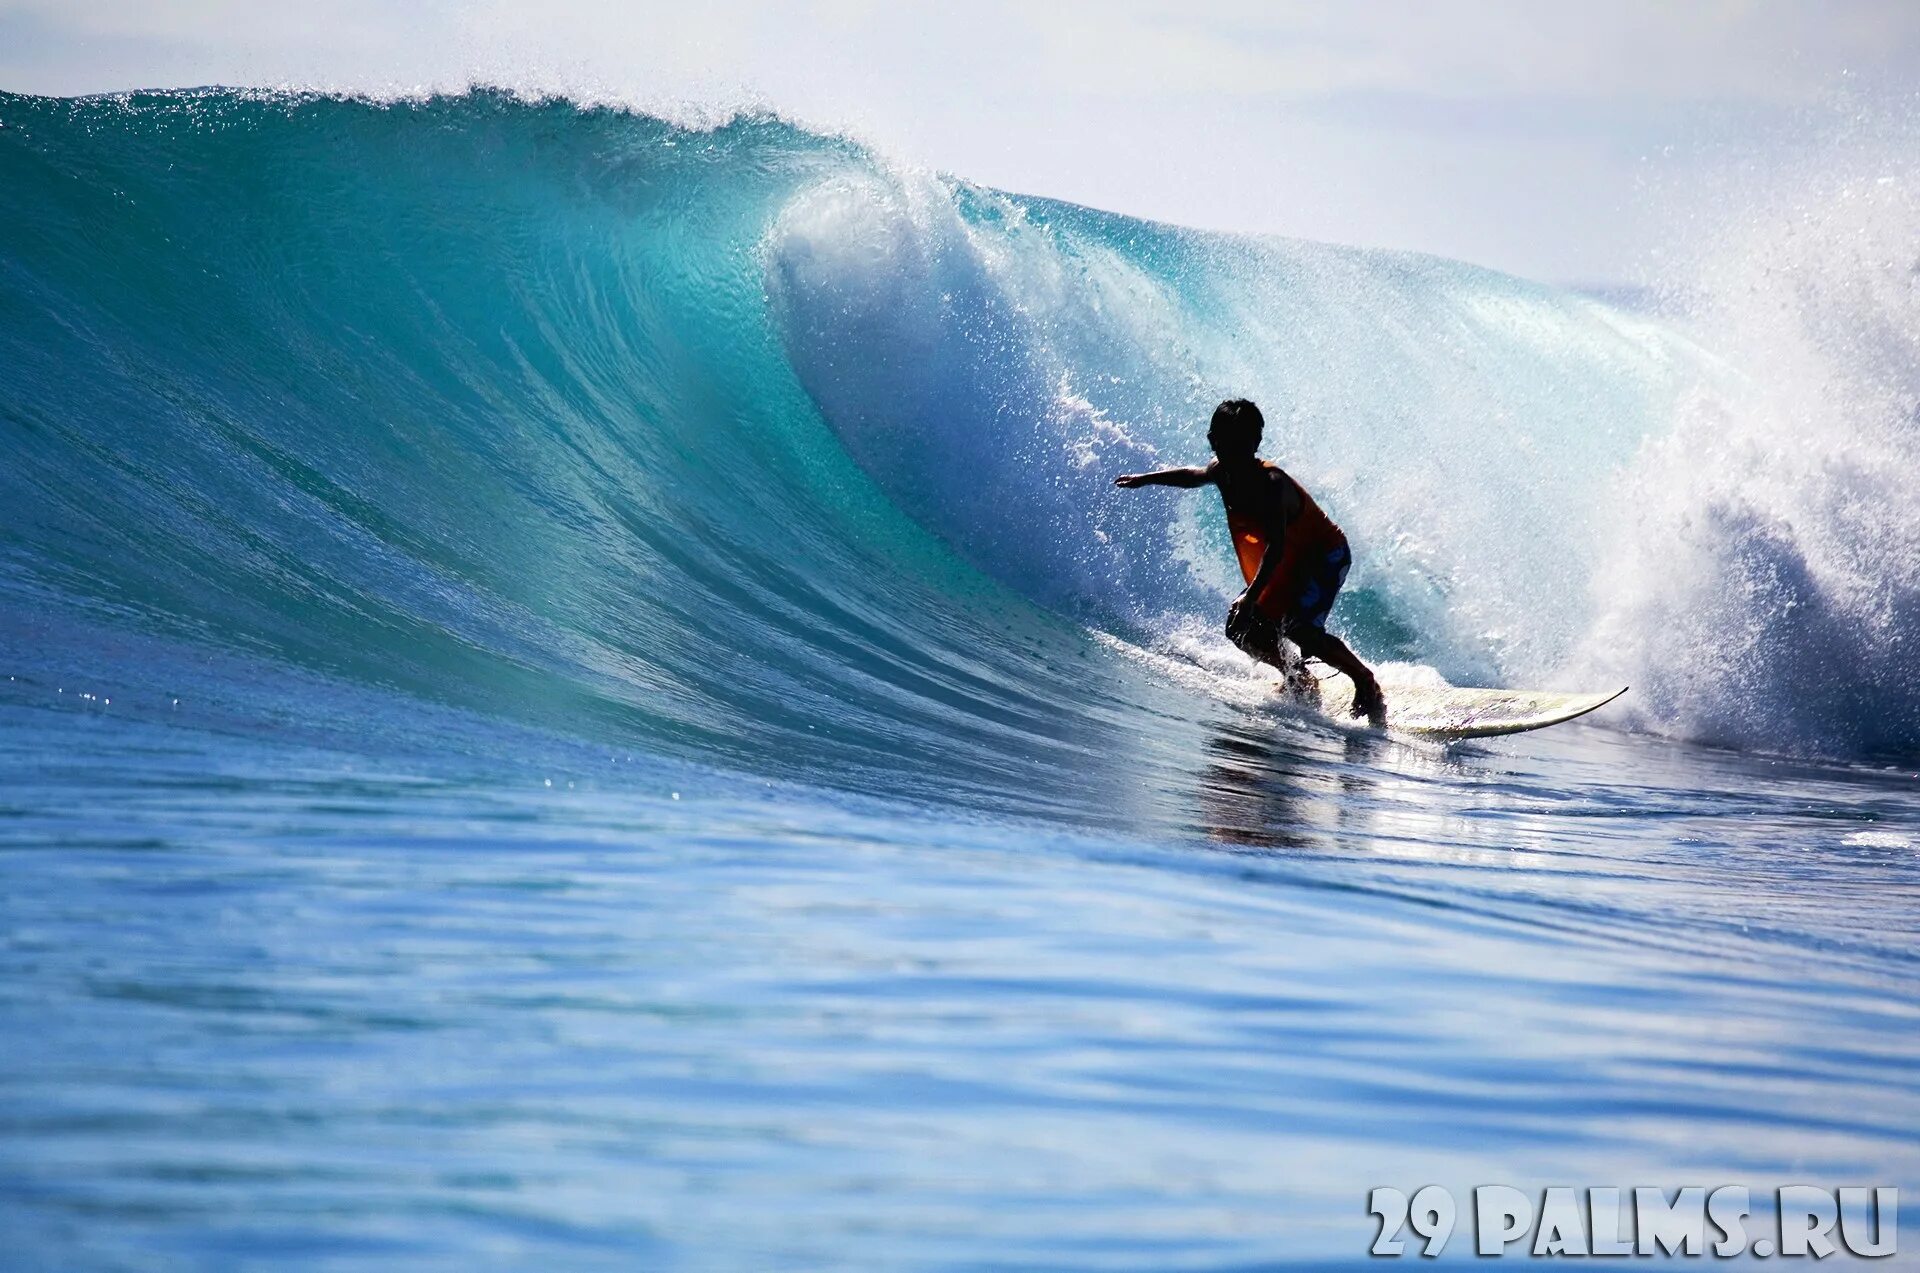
(1292, 556)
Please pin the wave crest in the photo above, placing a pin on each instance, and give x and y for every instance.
(1763, 589)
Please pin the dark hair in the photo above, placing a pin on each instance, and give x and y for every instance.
(1238, 416)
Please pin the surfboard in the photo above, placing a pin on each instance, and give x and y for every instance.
(1452, 711)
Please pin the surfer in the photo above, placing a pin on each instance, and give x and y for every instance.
(1292, 556)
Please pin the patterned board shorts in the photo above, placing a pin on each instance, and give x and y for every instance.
(1259, 635)
(1319, 589)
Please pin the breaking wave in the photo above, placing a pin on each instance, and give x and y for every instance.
(740, 444)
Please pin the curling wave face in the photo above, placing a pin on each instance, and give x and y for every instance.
(738, 445)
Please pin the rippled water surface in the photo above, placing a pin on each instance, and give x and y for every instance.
(271, 1006)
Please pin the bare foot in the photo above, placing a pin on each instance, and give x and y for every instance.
(1369, 702)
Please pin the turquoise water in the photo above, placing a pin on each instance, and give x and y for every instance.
(576, 695)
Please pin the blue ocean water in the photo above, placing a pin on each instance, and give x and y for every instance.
(577, 695)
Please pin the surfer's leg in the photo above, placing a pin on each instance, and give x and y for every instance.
(1308, 631)
(1318, 643)
(1258, 637)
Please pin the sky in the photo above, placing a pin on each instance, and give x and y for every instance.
(1550, 138)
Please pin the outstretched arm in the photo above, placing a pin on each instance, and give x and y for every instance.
(1188, 477)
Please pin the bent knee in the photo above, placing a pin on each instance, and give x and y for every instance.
(1309, 637)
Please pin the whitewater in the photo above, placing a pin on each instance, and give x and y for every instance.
(577, 691)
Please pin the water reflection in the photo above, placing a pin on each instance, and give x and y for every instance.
(1266, 789)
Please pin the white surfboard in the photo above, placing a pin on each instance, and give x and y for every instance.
(1452, 711)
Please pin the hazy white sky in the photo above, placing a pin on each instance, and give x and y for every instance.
(1549, 137)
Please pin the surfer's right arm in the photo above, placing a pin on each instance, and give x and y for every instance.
(1166, 477)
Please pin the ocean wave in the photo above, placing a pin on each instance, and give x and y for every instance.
(742, 444)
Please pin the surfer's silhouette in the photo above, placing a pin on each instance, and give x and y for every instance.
(1292, 556)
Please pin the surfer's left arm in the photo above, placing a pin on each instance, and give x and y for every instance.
(1187, 477)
